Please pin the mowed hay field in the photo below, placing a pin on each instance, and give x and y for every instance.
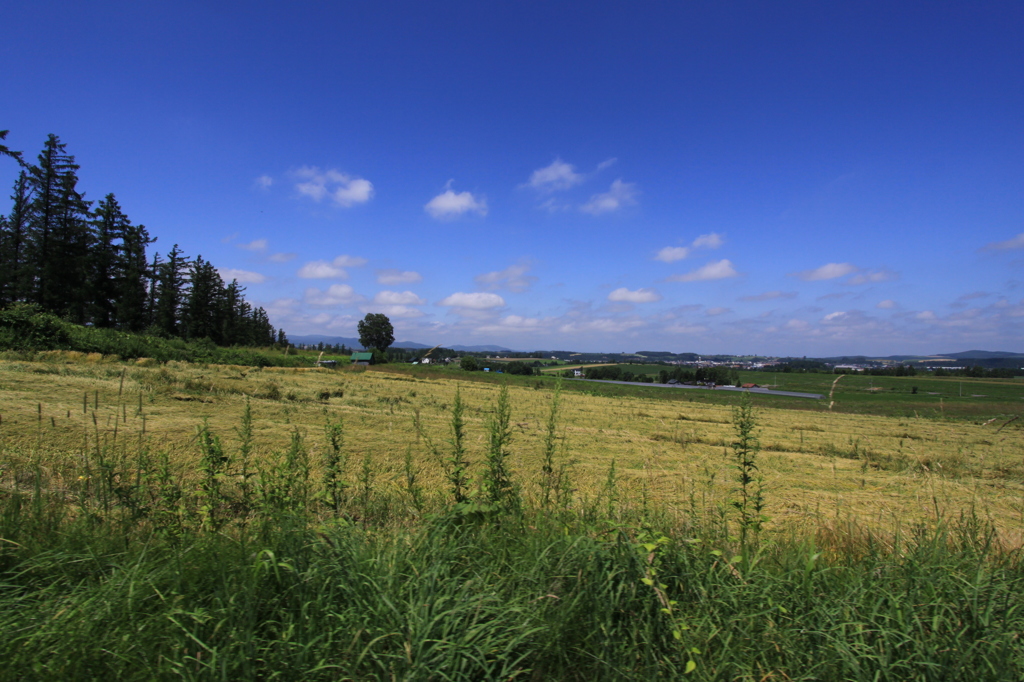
(817, 465)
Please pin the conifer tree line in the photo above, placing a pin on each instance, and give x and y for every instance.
(87, 262)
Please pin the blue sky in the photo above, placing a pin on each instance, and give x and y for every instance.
(774, 178)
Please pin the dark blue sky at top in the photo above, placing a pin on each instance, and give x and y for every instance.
(884, 139)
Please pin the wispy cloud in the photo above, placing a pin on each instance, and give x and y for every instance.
(769, 296)
(512, 278)
(283, 257)
(514, 324)
(624, 295)
(1008, 245)
(344, 190)
(670, 254)
(873, 277)
(449, 204)
(556, 177)
(254, 245)
(721, 269)
(715, 312)
(473, 301)
(620, 194)
(708, 241)
(264, 182)
(391, 277)
(346, 261)
(887, 304)
(243, 276)
(827, 271)
(601, 325)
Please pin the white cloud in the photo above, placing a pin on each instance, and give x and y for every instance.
(552, 206)
(721, 269)
(558, 176)
(397, 298)
(243, 276)
(712, 312)
(283, 257)
(624, 295)
(670, 254)
(344, 190)
(348, 262)
(887, 304)
(620, 194)
(926, 316)
(681, 328)
(873, 276)
(607, 163)
(336, 294)
(320, 269)
(514, 324)
(391, 277)
(603, 325)
(708, 241)
(448, 204)
(255, 245)
(832, 317)
(473, 301)
(512, 278)
(1008, 245)
(769, 296)
(393, 311)
(264, 181)
(827, 271)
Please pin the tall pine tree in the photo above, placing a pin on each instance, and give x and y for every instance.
(15, 274)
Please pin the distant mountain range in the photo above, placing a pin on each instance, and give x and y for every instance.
(313, 339)
(980, 355)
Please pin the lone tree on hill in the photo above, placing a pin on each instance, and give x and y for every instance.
(376, 332)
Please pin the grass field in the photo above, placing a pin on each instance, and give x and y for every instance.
(149, 530)
(876, 467)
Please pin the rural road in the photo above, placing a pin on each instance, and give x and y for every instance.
(764, 391)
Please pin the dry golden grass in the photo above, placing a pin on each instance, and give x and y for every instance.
(876, 471)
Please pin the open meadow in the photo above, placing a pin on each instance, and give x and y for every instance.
(879, 470)
(195, 519)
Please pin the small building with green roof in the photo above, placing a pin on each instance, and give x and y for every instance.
(362, 358)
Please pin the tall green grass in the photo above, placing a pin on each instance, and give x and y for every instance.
(116, 565)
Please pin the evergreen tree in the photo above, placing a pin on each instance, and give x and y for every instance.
(109, 224)
(132, 312)
(67, 279)
(4, 151)
(170, 292)
(15, 276)
(202, 305)
(54, 207)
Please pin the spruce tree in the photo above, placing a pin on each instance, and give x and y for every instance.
(15, 276)
(203, 303)
(4, 151)
(133, 274)
(109, 224)
(55, 205)
(170, 292)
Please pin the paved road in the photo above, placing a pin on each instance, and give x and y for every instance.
(764, 391)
